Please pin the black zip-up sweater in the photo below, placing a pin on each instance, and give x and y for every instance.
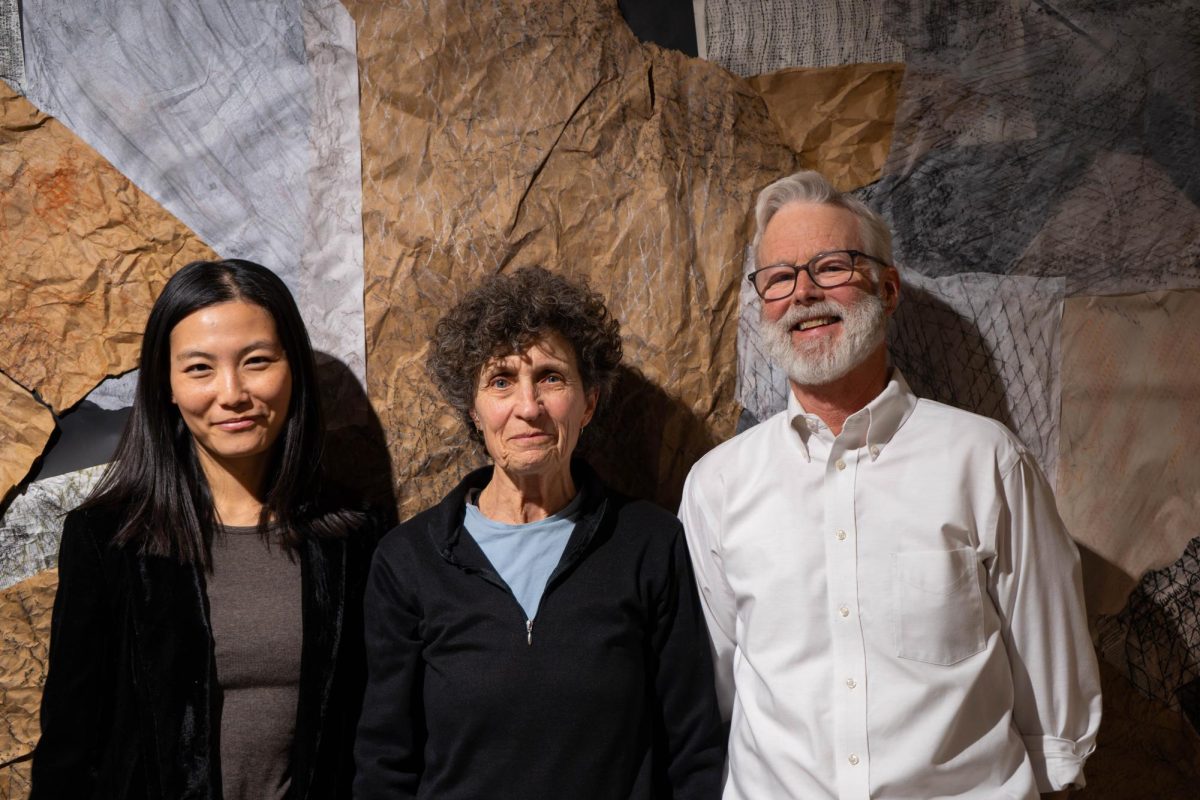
(608, 694)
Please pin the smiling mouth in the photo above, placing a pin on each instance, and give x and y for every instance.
(537, 438)
(242, 423)
(815, 322)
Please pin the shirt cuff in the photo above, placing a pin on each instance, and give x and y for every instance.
(1057, 764)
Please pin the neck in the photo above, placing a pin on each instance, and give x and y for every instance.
(517, 499)
(836, 401)
(237, 489)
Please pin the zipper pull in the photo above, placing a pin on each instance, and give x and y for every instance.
(528, 631)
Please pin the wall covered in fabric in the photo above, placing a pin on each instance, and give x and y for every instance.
(1039, 164)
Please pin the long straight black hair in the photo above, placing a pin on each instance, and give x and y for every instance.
(155, 480)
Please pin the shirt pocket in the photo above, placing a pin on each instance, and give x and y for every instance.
(937, 605)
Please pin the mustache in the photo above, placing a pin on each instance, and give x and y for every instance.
(797, 314)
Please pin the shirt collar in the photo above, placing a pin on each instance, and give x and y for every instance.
(872, 426)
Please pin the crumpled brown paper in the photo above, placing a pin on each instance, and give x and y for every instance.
(500, 134)
(25, 427)
(85, 254)
(24, 642)
(1128, 475)
(839, 119)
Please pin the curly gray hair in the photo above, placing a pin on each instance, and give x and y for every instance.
(507, 313)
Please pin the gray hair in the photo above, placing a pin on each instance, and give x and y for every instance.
(808, 186)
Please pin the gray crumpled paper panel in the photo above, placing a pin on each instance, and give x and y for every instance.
(85, 253)
(32, 523)
(12, 52)
(503, 134)
(768, 35)
(240, 118)
(966, 340)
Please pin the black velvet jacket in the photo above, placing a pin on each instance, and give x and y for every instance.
(131, 704)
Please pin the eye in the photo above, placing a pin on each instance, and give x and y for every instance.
(554, 377)
(259, 362)
(833, 265)
(777, 274)
(196, 369)
(499, 382)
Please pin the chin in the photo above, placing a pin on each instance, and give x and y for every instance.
(530, 464)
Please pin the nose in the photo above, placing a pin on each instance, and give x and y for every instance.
(231, 389)
(806, 291)
(528, 405)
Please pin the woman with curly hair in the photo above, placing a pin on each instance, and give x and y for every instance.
(534, 635)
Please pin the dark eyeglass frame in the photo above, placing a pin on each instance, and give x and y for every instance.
(823, 283)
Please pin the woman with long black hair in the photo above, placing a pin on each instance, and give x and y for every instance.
(206, 637)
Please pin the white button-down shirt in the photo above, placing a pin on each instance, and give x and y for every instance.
(896, 612)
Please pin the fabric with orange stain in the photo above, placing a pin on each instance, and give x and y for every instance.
(85, 252)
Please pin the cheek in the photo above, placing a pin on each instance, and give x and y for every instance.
(187, 400)
(774, 310)
(276, 392)
(284, 396)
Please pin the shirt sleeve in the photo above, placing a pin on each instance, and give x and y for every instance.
(683, 680)
(389, 746)
(1036, 584)
(66, 760)
(716, 597)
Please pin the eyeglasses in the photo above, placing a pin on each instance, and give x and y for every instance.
(826, 270)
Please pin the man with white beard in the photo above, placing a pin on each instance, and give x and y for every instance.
(894, 605)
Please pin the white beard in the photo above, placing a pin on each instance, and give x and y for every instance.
(823, 360)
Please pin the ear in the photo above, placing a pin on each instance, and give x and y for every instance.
(889, 289)
(593, 398)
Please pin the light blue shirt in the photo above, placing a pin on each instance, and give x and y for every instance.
(524, 556)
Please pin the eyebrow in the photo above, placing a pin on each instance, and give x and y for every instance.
(504, 367)
(261, 344)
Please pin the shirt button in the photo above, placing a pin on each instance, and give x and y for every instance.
(841, 464)
(850, 684)
(853, 759)
(874, 449)
(841, 536)
(845, 612)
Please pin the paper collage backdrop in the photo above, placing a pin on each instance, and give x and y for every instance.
(1039, 163)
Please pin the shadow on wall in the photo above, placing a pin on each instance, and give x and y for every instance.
(963, 376)
(644, 441)
(356, 453)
